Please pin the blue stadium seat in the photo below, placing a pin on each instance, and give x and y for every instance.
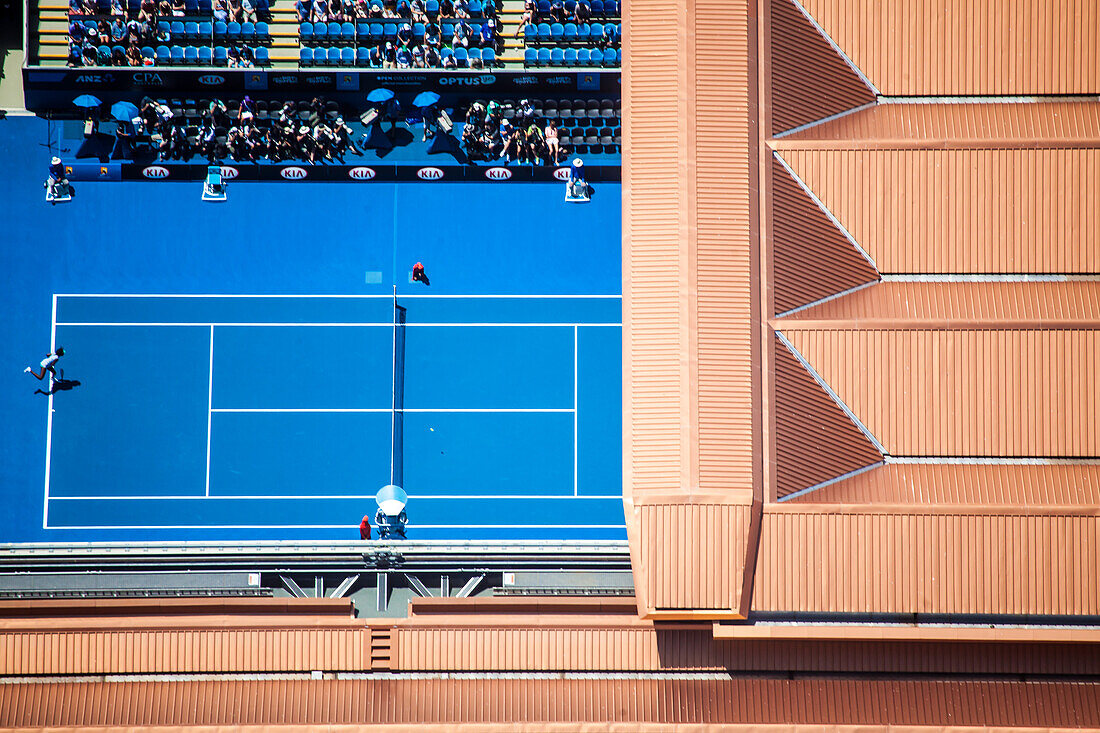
(347, 56)
(206, 55)
(544, 32)
(448, 30)
(335, 32)
(261, 56)
(530, 33)
(475, 8)
(462, 56)
(557, 56)
(362, 56)
(248, 32)
(220, 29)
(584, 57)
(530, 57)
(164, 56)
(262, 6)
(347, 33)
(206, 31)
(618, 57)
(305, 32)
(570, 58)
(147, 52)
(596, 57)
(178, 31)
(116, 50)
(362, 31)
(597, 7)
(389, 31)
(418, 31)
(233, 31)
(583, 31)
(544, 7)
(305, 56)
(221, 55)
(544, 56)
(206, 7)
(569, 33)
(190, 30)
(376, 33)
(446, 53)
(177, 54)
(556, 32)
(263, 32)
(474, 53)
(595, 30)
(489, 56)
(432, 8)
(191, 7)
(191, 55)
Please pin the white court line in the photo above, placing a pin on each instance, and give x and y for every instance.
(387, 410)
(49, 419)
(574, 410)
(228, 324)
(209, 409)
(253, 497)
(358, 296)
(331, 526)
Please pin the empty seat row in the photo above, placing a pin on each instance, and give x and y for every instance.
(572, 57)
(570, 32)
(205, 55)
(192, 31)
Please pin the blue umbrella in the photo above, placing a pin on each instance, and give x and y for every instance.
(124, 111)
(87, 101)
(380, 95)
(425, 99)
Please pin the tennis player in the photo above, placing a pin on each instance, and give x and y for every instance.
(419, 275)
(47, 365)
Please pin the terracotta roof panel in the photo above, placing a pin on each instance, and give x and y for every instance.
(1024, 488)
(799, 97)
(958, 125)
(828, 559)
(942, 47)
(1068, 304)
(457, 701)
(996, 393)
(946, 211)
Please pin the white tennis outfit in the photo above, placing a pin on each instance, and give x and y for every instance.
(49, 361)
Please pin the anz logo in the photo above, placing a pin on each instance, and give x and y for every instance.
(429, 174)
(361, 173)
(469, 81)
(211, 80)
(155, 172)
(498, 174)
(95, 78)
(525, 80)
(562, 174)
(229, 172)
(294, 173)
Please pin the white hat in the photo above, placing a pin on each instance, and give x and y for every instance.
(55, 160)
(406, 27)
(578, 161)
(304, 129)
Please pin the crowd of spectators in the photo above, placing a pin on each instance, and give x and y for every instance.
(489, 135)
(415, 11)
(566, 11)
(314, 132)
(122, 34)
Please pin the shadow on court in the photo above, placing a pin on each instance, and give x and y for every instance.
(59, 385)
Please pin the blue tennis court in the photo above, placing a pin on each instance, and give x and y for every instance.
(236, 362)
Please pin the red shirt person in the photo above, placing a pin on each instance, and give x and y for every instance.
(364, 528)
(419, 275)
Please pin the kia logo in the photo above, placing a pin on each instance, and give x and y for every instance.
(293, 173)
(361, 173)
(211, 80)
(562, 174)
(229, 172)
(429, 174)
(155, 171)
(498, 174)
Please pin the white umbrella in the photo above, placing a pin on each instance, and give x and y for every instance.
(391, 499)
